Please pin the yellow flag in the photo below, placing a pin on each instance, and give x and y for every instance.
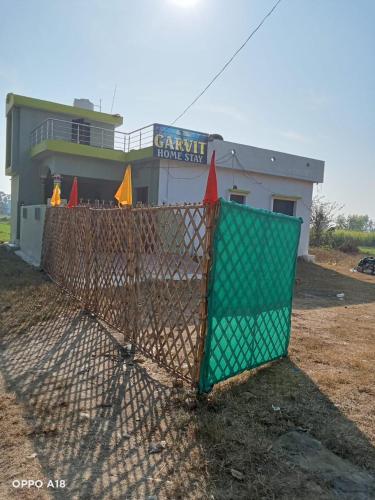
(56, 200)
(124, 193)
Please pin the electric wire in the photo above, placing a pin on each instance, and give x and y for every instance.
(225, 157)
(227, 63)
(261, 184)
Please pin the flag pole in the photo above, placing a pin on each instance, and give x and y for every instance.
(211, 207)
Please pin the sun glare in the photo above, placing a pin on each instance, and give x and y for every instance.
(185, 3)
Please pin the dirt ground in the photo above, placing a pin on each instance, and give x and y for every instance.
(77, 406)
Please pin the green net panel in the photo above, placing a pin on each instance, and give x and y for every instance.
(250, 291)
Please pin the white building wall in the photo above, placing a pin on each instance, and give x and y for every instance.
(266, 161)
(181, 182)
(31, 233)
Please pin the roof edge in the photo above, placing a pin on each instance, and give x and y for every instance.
(13, 100)
(71, 148)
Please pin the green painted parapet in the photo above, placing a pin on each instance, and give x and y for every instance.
(71, 148)
(13, 100)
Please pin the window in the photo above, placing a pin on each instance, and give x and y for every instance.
(141, 195)
(37, 213)
(238, 198)
(286, 207)
(24, 212)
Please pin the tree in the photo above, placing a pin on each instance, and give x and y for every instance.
(355, 222)
(4, 203)
(341, 222)
(323, 216)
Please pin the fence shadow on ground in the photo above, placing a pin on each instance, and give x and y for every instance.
(318, 286)
(94, 411)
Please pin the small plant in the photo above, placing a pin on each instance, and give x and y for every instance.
(323, 215)
(348, 247)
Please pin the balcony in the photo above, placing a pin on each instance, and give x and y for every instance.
(54, 133)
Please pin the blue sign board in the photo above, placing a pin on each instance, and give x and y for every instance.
(173, 143)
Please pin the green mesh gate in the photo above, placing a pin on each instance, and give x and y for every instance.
(249, 292)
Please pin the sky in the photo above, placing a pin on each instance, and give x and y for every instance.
(304, 84)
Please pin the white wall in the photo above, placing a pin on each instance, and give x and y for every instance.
(266, 161)
(180, 182)
(31, 234)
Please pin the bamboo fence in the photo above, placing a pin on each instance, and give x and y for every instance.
(142, 270)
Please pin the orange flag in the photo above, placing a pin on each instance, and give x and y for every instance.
(56, 199)
(124, 194)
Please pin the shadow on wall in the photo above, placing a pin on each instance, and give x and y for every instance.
(95, 411)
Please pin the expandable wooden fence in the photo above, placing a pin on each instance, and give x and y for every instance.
(142, 270)
(204, 291)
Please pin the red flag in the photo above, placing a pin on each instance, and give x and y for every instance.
(211, 196)
(73, 199)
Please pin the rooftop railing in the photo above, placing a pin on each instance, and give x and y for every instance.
(90, 135)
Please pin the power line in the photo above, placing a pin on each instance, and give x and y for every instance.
(261, 184)
(227, 63)
(225, 157)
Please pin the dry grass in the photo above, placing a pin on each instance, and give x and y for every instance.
(90, 410)
(17, 458)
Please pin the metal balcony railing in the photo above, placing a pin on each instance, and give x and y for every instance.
(82, 133)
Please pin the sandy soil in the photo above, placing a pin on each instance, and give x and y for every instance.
(77, 406)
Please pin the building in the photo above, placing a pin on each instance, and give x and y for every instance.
(49, 142)
(44, 139)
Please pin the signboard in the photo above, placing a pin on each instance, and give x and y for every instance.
(171, 143)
